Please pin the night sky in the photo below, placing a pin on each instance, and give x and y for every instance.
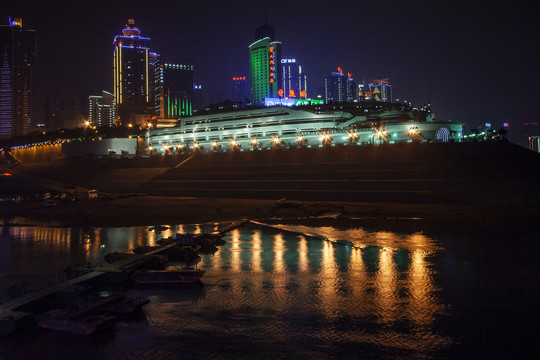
(475, 61)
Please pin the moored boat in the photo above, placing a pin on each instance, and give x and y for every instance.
(11, 321)
(172, 275)
(183, 253)
(126, 305)
(144, 249)
(116, 256)
(85, 324)
(158, 228)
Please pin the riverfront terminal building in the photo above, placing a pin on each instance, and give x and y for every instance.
(303, 126)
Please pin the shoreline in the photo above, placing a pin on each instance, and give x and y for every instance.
(153, 210)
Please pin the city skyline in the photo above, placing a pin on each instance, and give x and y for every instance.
(470, 60)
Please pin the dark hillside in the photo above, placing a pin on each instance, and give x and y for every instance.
(491, 173)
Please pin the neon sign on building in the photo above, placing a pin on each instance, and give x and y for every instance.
(291, 102)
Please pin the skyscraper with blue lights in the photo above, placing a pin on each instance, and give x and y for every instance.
(293, 82)
(340, 87)
(133, 75)
(17, 66)
(381, 90)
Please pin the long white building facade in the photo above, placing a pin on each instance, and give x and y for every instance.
(266, 128)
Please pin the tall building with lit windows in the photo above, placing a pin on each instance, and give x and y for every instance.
(173, 90)
(101, 109)
(17, 66)
(264, 65)
(381, 90)
(293, 81)
(240, 90)
(340, 87)
(133, 75)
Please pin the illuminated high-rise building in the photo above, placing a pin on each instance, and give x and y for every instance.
(381, 90)
(240, 89)
(59, 113)
(340, 87)
(200, 98)
(264, 65)
(351, 89)
(361, 91)
(173, 89)
(293, 81)
(133, 75)
(333, 87)
(17, 66)
(101, 109)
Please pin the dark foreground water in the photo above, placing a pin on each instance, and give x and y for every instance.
(407, 289)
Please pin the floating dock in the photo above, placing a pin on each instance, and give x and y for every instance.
(8, 310)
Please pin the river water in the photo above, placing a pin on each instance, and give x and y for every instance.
(397, 289)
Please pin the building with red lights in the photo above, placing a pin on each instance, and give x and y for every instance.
(264, 65)
(240, 90)
(340, 87)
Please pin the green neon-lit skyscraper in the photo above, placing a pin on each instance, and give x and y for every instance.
(264, 65)
(174, 89)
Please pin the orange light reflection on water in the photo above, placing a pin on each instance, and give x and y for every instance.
(279, 275)
(303, 260)
(279, 250)
(423, 305)
(236, 251)
(328, 280)
(386, 275)
(357, 277)
(256, 259)
(386, 286)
